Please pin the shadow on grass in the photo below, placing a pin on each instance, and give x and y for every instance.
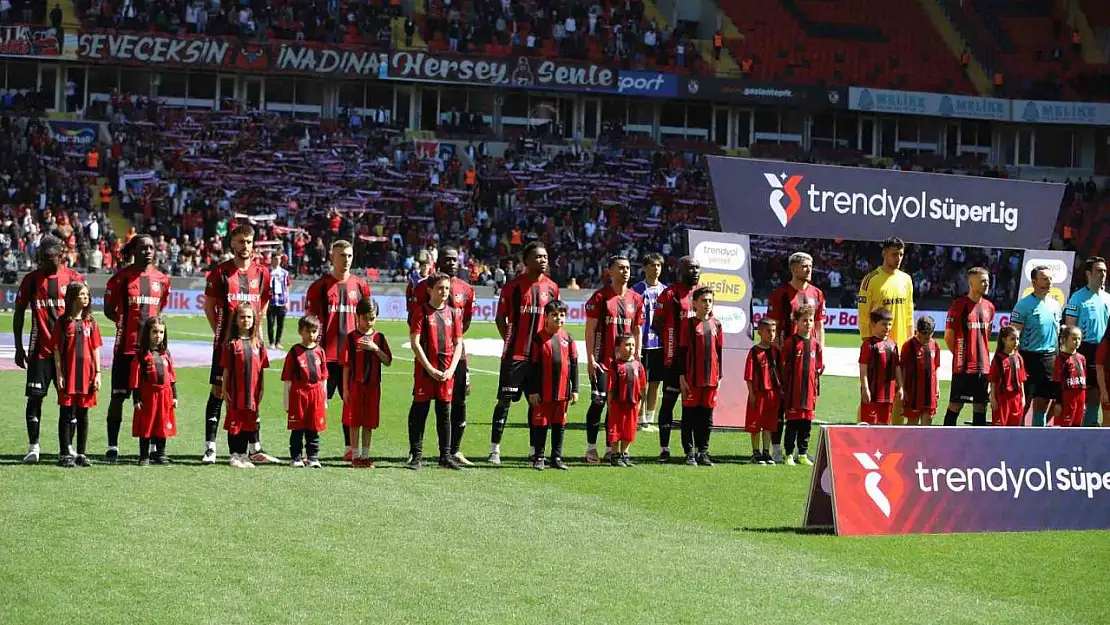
(788, 530)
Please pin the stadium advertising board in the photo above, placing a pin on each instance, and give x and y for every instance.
(1073, 113)
(1059, 265)
(652, 84)
(930, 104)
(820, 201)
(929, 480)
(743, 91)
(725, 266)
(28, 40)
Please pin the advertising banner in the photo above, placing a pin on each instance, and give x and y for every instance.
(744, 91)
(1060, 266)
(934, 480)
(74, 133)
(1049, 112)
(818, 201)
(651, 84)
(29, 40)
(930, 104)
(725, 267)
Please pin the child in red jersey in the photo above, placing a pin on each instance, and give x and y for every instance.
(627, 384)
(76, 342)
(154, 392)
(552, 383)
(244, 361)
(305, 374)
(920, 361)
(1070, 371)
(701, 348)
(1007, 376)
(879, 371)
(802, 366)
(764, 391)
(367, 352)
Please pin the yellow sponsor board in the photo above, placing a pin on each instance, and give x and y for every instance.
(726, 288)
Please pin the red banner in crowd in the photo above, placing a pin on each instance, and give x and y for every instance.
(26, 40)
(328, 60)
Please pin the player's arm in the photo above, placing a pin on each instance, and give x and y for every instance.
(501, 318)
(863, 308)
(96, 362)
(658, 324)
(864, 390)
(385, 355)
(909, 307)
(535, 373)
(24, 296)
(288, 387)
(59, 372)
(468, 310)
(111, 299)
(214, 294)
(950, 327)
(820, 321)
(591, 344)
(573, 353)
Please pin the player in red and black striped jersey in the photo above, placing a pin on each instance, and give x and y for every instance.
(1070, 372)
(613, 310)
(76, 344)
(803, 362)
(244, 360)
(1007, 377)
(230, 284)
(552, 384)
(134, 294)
(367, 351)
(43, 291)
(332, 299)
(627, 381)
(671, 308)
(700, 353)
(436, 335)
(462, 298)
(920, 361)
(968, 334)
(519, 316)
(879, 371)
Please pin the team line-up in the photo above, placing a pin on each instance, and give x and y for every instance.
(637, 339)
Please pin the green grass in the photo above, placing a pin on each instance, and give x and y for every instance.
(654, 544)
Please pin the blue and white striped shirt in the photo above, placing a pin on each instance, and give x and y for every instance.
(279, 287)
(650, 295)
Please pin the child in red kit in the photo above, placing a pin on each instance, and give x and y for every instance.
(627, 383)
(154, 392)
(1070, 371)
(920, 361)
(878, 371)
(367, 352)
(305, 374)
(244, 362)
(701, 342)
(76, 341)
(1007, 377)
(803, 362)
(764, 391)
(552, 384)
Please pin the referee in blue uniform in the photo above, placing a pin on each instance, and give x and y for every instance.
(1037, 316)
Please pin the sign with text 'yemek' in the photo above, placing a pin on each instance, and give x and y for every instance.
(823, 201)
(937, 480)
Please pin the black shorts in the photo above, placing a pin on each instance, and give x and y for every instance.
(1038, 371)
(599, 387)
(510, 380)
(653, 362)
(335, 379)
(40, 375)
(121, 374)
(1090, 351)
(672, 380)
(216, 373)
(970, 388)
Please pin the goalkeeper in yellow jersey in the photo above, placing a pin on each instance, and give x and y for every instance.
(891, 288)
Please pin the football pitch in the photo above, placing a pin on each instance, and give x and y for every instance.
(650, 544)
